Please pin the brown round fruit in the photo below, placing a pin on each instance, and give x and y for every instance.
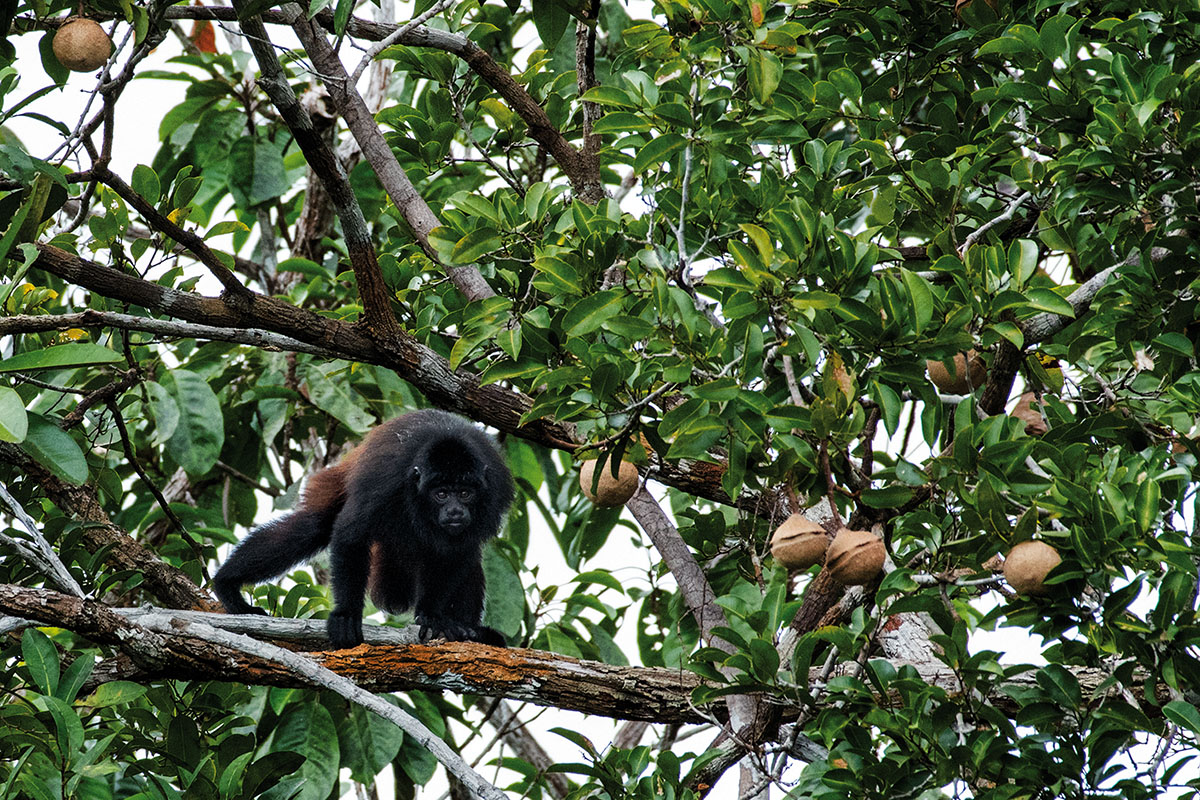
(1028, 564)
(799, 542)
(81, 45)
(1028, 411)
(965, 378)
(855, 557)
(609, 491)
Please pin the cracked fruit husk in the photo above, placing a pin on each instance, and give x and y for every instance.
(799, 542)
(855, 557)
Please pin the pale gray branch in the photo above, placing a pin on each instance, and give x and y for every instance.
(33, 323)
(173, 624)
(38, 551)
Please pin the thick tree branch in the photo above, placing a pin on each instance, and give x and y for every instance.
(316, 675)
(653, 694)
(350, 105)
(320, 156)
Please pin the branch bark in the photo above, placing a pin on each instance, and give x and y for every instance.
(170, 585)
(653, 694)
(320, 156)
(375, 149)
(459, 391)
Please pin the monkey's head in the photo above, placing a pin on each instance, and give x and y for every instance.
(451, 486)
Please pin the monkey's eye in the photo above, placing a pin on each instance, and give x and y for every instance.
(466, 495)
(441, 495)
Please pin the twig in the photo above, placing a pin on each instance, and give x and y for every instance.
(131, 457)
(32, 323)
(320, 676)
(38, 551)
(1004, 216)
(830, 484)
(394, 37)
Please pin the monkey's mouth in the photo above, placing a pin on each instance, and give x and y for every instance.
(454, 526)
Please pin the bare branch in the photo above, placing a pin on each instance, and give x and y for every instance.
(372, 290)
(187, 330)
(1000, 218)
(394, 37)
(38, 551)
(320, 676)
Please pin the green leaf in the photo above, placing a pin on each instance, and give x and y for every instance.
(307, 729)
(887, 497)
(59, 356)
(590, 313)
(41, 659)
(1062, 686)
(551, 20)
(368, 743)
(1120, 72)
(256, 173)
(14, 421)
(622, 122)
(1046, 300)
(475, 245)
(54, 449)
(557, 276)
(145, 182)
(764, 72)
(504, 608)
(658, 150)
(1005, 45)
(1183, 714)
(921, 295)
(165, 411)
(200, 432)
(1146, 505)
(114, 693)
(609, 96)
(1022, 260)
(333, 394)
(234, 226)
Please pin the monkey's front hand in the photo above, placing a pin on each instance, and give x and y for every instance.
(344, 629)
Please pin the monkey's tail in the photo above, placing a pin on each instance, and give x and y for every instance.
(269, 551)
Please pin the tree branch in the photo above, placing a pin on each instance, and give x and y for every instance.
(28, 323)
(375, 149)
(170, 585)
(654, 694)
(320, 156)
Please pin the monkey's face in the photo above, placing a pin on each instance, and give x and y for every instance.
(452, 507)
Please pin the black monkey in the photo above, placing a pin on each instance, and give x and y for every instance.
(405, 516)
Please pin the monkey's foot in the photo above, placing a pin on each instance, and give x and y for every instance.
(455, 631)
(344, 629)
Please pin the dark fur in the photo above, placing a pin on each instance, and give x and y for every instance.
(378, 511)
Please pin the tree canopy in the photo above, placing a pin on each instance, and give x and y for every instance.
(923, 271)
